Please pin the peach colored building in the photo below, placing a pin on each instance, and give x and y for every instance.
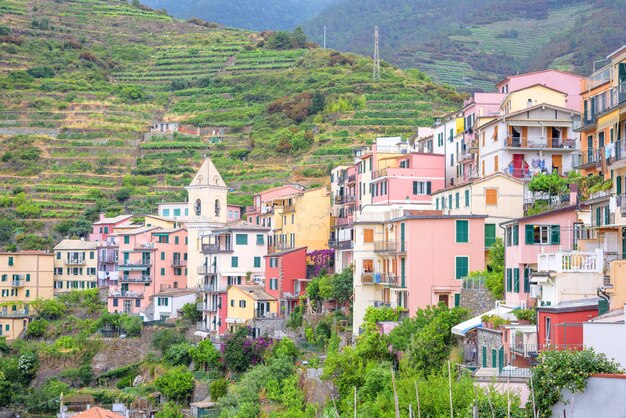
(412, 259)
(105, 226)
(525, 239)
(151, 260)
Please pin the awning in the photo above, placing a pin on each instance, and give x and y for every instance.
(556, 123)
(608, 120)
(235, 321)
(462, 328)
(201, 334)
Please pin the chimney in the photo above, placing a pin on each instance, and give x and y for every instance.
(102, 216)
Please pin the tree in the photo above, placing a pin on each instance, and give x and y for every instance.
(191, 313)
(165, 338)
(552, 184)
(565, 369)
(342, 285)
(205, 355)
(179, 354)
(176, 383)
(48, 308)
(170, 410)
(218, 388)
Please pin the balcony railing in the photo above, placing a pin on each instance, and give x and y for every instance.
(604, 101)
(17, 283)
(75, 261)
(216, 248)
(109, 243)
(386, 247)
(250, 209)
(571, 262)
(125, 294)
(289, 208)
(177, 262)
(206, 270)
(108, 259)
(615, 152)
(341, 245)
(208, 306)
(144, 278)
(388, 279)
(352, 178)
(541, 143)
(519, 173)
(341, 199)
(20, 313)
(126, 266)
(211, 288)
(589, 157)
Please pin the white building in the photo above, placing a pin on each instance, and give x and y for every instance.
(607, 334)
(168, 303)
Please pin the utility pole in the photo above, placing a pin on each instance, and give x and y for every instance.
(376, 72)
(324, 37)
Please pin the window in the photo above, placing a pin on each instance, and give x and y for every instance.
(548, 329)
(491, 197)
(273, 283)
(58, 255)
(467, 198)
(176, 212)
(490, 235)
(457, 200)
(437, 203)
(234, 261)
(495, 133)
(162, 255)
(126, 239)
(422, 187)
(176, 240)
(257, 262)
(162, 271)
(115, 303)
(462, 231)
(10, 260)
(509, 280)
(451, 160)
(516, 280)
(27, 293)
(241, 239)
(368, 235)
(526, 280)
(515, 234)
(543, 234)
(496, 166)
(368, 266)
(232, 303)
(166, 212)
(242, 303)
(260, 240)
(462, 267)
(273, 262)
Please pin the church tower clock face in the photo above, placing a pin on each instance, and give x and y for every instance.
(197, 207)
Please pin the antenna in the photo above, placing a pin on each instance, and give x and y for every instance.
(324, 37)
(376, 72)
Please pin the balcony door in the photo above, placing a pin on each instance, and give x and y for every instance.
(518, 164)
(128, 305)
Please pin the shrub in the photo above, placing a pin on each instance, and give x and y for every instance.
(170, 410)
(205, 355)
(179, 354)
(48, 308)
(191, 313)
(175, 384)
(131, 325)
(165, 338)
(218, 389)
(41, 72)
(526, 315)
(37, 328)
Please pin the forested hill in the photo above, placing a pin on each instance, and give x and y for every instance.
(472, 43)
(248, 14)
(81, 82)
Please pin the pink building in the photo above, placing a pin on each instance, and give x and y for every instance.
(444, 250)
(105, 226)
(409, 178)
(559, 80)
(151, 260)
(285, 277)
(234, 212)
(525, 239)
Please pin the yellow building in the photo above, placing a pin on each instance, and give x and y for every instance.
(75, 265)
(533, 96)
(307, 222)
(160, 221)
(246, 304)
(25, 276)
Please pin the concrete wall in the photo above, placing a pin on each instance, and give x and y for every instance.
(607, 338)
(603, 396)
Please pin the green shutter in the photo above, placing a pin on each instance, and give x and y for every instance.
(490, 235)
(526, 280)
(428, 187)
(462, 267)
(555, 234)
(598, 217)
(28, 277)
(259, 239)
(462, 231)
(414, 187)
(618, 185)
(402, 236)
(516, 280)
(162, 255)
(467, 198)
(607, 216)
(234, 262)
(241, 239)
(530, 235)
(509, 284)
(457, 299)
(457, 199)
(126, 239)
(257, 262)
(515, 234)
(10, 261)
(484, 356)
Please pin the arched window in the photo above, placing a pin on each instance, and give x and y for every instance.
(216, 179)
(200, 179)
(198, 207)
(217, 207)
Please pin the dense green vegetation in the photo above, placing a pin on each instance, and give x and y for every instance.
(471, 44)
(81, 82)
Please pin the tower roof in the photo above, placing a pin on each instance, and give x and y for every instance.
(207, 175)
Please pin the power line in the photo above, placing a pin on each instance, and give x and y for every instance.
(376, 71)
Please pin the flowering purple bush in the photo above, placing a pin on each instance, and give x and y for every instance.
(321, 259)
(241, 351)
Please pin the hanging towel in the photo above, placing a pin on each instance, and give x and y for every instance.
(612, 204)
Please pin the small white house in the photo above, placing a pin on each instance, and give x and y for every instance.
(164, 127)
(168, 302)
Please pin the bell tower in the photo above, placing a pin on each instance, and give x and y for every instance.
(207, 194)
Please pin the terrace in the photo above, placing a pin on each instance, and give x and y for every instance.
(378, 278)
(571, 262)
(125, 294)
(540, 143)
(144, 278)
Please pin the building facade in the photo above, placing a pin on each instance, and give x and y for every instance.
(75, 265)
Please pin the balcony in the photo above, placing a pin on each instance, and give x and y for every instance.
(351, 178)
(588, 159)
(144, 278)
(386, 247)
(384, 279)
(615, 154)
(216, 248)
(108, 259)
(125, 294)
(146, 246)
(127, 266)
(74, 261)
(177, 262)
(517, 172)
(17, 283)
(206, 270)
(208, 306)
(250, 209)
(341, 245)
(282, 246)
(556, 144)
(571, 262)
(341, 199)
(109, 243)
(20, 313)
(211, 288)
(289, 208)
(397, 172)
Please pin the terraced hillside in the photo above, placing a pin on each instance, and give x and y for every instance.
(82, 82)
